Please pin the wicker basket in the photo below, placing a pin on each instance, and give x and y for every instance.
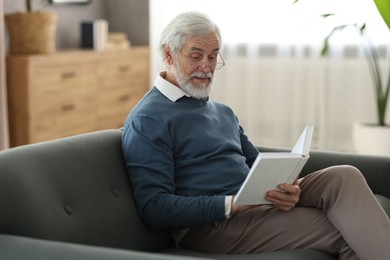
(32, 32)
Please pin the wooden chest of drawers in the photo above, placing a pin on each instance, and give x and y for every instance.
(73, 92)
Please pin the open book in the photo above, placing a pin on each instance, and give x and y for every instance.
(273, 168)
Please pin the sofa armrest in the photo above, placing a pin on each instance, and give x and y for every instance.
(23, 248)
(376, 169)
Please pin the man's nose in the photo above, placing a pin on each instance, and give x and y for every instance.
(205, 66)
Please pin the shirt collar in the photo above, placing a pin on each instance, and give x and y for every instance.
(169, 90)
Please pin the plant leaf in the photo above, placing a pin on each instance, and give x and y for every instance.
(326, 15)
(384, 9)
(325, 47)
(362, 27)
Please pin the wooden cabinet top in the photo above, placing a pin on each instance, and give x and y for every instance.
(80, 56)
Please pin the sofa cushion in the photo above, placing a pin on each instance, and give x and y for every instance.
(22, 248)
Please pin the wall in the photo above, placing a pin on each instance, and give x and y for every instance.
(4, 140)
(129, 16)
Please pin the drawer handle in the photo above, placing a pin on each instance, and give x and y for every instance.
(123, 69)
(68, 107)
(68, 75)
(124, 98)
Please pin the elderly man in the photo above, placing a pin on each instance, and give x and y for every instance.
(187, 156)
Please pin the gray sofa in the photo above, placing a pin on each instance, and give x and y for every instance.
(71, 199)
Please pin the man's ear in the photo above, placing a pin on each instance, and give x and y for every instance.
(168, 56)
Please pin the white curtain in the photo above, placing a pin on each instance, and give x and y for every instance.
(4, 141)
(275, 79)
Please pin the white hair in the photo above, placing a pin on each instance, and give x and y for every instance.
(184, 26)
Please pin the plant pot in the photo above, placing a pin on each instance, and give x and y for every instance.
(371, 139)
(32, 32)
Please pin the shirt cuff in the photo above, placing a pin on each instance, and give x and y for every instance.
(228, 206)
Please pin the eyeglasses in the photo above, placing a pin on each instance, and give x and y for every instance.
(196, 61)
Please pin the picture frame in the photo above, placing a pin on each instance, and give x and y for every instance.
(70, 1)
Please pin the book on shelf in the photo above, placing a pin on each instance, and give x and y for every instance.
(94, 34)
(273, 168)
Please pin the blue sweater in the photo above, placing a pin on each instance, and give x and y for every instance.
(183, 158)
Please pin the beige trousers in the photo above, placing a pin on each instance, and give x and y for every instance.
(337, 213)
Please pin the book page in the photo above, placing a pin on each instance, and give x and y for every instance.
(302, 146)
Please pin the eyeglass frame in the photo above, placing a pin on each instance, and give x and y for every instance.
(200, 62)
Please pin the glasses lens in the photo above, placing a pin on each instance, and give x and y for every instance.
(199, 63)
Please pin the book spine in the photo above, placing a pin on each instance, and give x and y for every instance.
(87, 35)
(102, 35)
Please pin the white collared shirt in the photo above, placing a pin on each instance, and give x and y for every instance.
(171, 91)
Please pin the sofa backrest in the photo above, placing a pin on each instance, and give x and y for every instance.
(76, 190)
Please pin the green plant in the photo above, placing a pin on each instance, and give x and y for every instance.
(381, 85)
(382, 91)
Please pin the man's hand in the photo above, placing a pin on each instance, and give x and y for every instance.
(239, 208)
(286, 197)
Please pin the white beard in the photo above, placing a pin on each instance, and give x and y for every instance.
(202, 91)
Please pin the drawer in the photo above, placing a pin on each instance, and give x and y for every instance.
(111, 122)
(63, 114)
(115, 106)
(123, 72)
(64, 131)
(118, 101)
(54, 95)
(63, 79)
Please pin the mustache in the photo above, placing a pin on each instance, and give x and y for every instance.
(202, 75)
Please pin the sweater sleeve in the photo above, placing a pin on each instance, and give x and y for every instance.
(248, 149)
(148, 153)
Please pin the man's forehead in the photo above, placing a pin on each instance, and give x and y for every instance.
(208, 42)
